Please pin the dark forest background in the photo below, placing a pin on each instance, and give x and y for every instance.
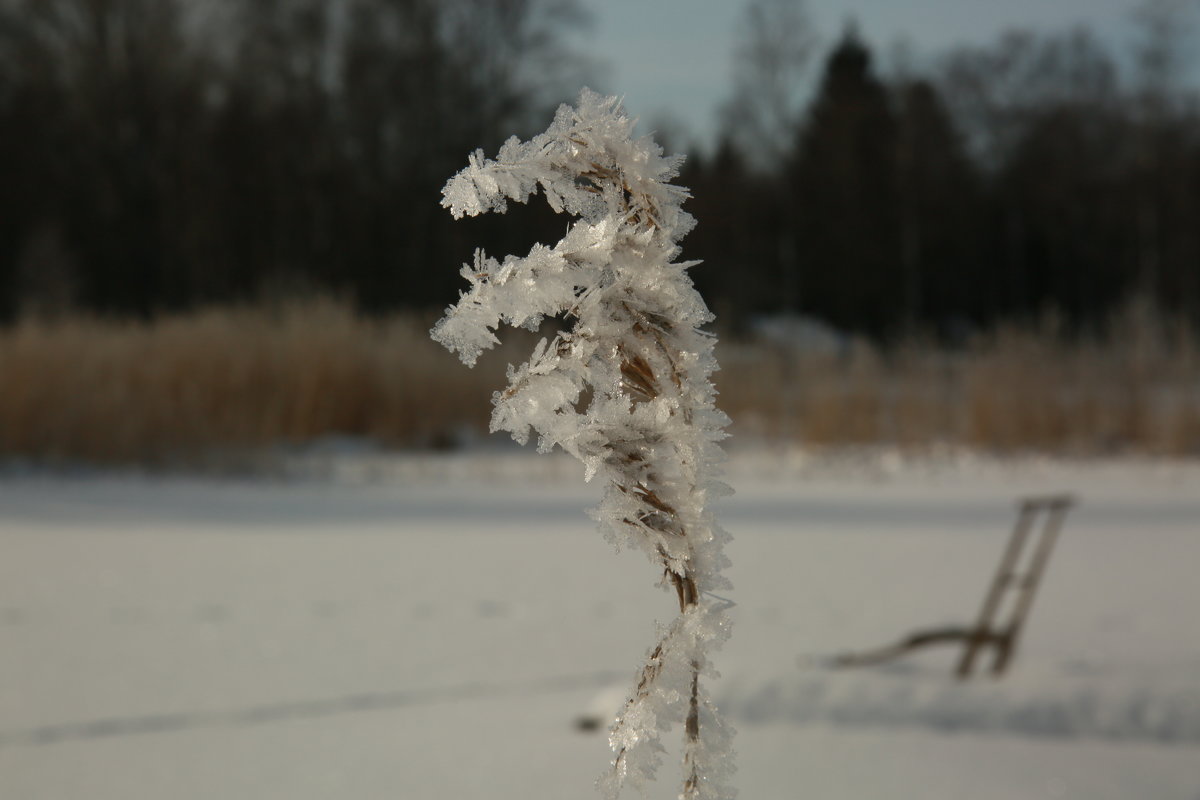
(160, 155)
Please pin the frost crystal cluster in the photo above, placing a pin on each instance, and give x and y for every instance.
(624, 388)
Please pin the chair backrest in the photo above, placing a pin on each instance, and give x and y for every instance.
(1012, 580)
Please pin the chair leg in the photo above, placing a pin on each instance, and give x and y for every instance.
(1004, 574)
(1056, 510)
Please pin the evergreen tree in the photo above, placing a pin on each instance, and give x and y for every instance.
(847, 221)
(938, 200)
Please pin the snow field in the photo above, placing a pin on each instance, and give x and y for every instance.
(433, 628)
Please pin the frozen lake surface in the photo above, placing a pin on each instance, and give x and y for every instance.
(434, 627)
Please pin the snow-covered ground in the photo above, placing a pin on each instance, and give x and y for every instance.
(408, 627)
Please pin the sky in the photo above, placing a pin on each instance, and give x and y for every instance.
(671, 59)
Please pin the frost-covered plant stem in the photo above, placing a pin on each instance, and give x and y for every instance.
(624, 388)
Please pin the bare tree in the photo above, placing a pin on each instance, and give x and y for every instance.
(995, 91)
(776, 47)
(1162, 28)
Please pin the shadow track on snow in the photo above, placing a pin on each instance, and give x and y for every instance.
(269, 713)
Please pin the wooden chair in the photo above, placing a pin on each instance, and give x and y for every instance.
(1039, 522)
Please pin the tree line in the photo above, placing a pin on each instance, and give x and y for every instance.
(1039, 173)
(158, 155)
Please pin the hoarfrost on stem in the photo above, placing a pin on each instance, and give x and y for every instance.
(624, 388)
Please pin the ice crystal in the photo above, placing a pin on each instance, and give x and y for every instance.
(633, 354)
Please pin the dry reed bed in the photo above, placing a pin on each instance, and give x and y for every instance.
(226, 380)
(235, 379)
(1138, 390)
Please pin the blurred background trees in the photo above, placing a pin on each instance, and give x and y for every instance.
(1039, 173)
(160, 155)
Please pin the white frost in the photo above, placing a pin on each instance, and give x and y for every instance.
(624, 387)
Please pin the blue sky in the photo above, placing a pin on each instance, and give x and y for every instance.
(671, 59)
